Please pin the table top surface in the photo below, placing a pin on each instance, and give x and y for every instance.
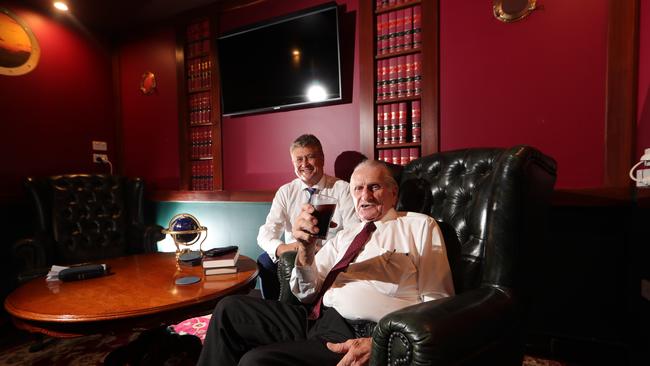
(138, 285)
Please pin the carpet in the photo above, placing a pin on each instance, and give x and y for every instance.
(92, 350)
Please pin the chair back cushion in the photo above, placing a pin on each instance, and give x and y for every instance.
(490, 204)
(86, 216)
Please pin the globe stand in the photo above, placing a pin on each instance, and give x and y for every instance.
(186, 231)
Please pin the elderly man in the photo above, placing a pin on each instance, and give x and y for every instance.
(388, 261)
(308, 160)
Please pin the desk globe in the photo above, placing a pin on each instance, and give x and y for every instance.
(186, 231)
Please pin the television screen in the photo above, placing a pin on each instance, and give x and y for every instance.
(287, 62)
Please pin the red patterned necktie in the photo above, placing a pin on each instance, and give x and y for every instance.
(354, 249)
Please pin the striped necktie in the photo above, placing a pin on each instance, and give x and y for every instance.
(353, 250)
(311, 193)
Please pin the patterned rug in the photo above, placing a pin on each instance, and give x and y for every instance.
(92, 350)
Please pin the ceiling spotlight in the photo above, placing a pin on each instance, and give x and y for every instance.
(61, 5)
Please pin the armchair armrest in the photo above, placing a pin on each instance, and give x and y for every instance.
(453, 330)
(29, 259)
(286, 263)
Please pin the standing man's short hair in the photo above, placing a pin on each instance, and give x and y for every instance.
(306, 140)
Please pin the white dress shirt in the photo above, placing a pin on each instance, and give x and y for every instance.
(288, 202)
(403, 263)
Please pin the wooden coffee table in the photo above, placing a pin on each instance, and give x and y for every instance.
(140, 292)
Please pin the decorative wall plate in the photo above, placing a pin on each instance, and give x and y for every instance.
(19, 49)
(512, 10)
(148, 83)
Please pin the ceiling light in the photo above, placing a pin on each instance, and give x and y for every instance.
(61, 5)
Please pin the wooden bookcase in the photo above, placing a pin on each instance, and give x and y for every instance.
(385, 45)
(199, 107)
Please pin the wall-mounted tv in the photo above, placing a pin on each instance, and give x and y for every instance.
(287, 62)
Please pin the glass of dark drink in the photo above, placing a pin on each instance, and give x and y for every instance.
(324, 207)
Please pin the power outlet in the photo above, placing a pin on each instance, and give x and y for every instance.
(100, 145)
(100, 158)
(643, 177)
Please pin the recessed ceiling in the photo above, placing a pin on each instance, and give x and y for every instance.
(113, 17)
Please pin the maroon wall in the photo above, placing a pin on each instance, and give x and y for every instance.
(150, 122)
(643, 125)
(539, 81)
(256, 147)
(51, 115)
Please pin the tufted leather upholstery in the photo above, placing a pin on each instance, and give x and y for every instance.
(491, 205)
(81, 218)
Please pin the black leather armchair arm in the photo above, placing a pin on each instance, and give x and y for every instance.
(285, 265)
(29, 259)
(447, 331)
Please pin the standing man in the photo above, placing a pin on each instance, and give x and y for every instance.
(308, 160)
(387, 262)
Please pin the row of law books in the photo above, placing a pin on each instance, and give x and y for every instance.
(199, 73)
(202, 178)
(399, 156)
(381, 4)
(200, 109)
(399, 30)
(397, 124)
(198, 30)
(197, 48)
(201, 142)
(221, 263)
(399, 77)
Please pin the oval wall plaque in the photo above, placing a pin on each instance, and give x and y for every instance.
(19, 50)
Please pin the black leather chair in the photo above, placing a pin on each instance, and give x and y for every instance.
(491, 204)
(82, 218)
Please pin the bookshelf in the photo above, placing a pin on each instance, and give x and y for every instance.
(200, 115)
(399, 79)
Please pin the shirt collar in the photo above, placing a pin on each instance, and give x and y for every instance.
(388, 216)
(319, 186)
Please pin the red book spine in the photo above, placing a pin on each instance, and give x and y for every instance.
(378, 34)
(408, 70)
(381, 156)
(404, 156)
(380, 124)
(408, 28)
(388, 156)
(396, 157)
(417, 73)
(401, 123)
(386, 123)
(384, 33)
(392, 24)
(417, 26)
(379, 84)
(399, 30)
(392, 77)
(401, 76)
(394, 129)
(415, 121)
(413, 153)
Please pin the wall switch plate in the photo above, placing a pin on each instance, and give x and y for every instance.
(100, 158)
(643, 177)
(100, 145)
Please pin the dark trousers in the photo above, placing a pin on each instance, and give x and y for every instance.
(245, 330)
(268, 274)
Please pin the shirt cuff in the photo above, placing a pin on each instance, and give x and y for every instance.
(273, 245)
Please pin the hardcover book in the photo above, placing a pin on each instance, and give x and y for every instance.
(224, 260)
(220, 270)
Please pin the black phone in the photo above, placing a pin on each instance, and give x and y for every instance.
(215, 252)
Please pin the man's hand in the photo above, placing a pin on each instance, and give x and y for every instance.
(357, 351)
(285, 248)
(304, 228)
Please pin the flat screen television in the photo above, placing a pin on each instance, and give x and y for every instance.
(288, 62)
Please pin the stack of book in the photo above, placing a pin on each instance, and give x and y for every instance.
(220, 261)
